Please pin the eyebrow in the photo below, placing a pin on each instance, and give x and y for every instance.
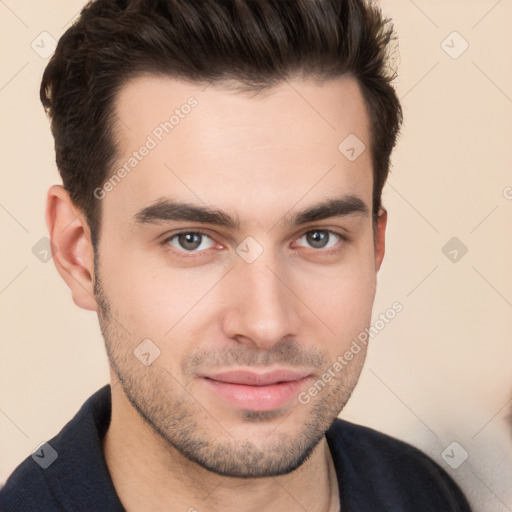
(167, 210)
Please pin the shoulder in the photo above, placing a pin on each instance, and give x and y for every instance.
(68, 467)
(379, 468)
(374, 446)
(26, 490)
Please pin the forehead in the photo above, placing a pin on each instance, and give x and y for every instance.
(212, 145)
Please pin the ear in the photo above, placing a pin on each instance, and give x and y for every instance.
(72, 249)
(380, 237)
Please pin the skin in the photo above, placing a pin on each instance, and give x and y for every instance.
(173, 442)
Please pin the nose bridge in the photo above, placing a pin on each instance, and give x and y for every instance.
(265, 309)
(265, 286)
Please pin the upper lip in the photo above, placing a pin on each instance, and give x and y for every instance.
(258, 379)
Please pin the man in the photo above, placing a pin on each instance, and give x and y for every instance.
(222, 169)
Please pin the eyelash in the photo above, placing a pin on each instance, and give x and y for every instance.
(190, 254)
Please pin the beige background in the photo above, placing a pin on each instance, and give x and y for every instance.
(440, 372)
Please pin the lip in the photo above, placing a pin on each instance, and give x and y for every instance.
(256, 391)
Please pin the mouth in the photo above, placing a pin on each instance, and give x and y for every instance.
(254, 391)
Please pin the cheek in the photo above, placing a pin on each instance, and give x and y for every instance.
(344, 304)
(150, 297)
(342, 295)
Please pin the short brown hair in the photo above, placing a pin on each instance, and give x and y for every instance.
(257, 43)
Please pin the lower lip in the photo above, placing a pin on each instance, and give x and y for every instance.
(257, 398)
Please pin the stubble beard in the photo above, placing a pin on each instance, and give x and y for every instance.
(182, 421)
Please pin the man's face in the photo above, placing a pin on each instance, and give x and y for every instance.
(249, 310)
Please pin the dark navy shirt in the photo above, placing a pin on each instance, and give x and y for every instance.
(376, 473)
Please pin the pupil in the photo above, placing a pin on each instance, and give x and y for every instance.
(317, 239)
(190, 240)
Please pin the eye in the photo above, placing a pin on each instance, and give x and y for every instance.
(321, 238)
(190, 241)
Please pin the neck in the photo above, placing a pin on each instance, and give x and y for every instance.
(149, 474)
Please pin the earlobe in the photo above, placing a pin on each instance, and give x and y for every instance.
(73, 255)
(380, 237)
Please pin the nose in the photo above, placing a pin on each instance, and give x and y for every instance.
(262, 307)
